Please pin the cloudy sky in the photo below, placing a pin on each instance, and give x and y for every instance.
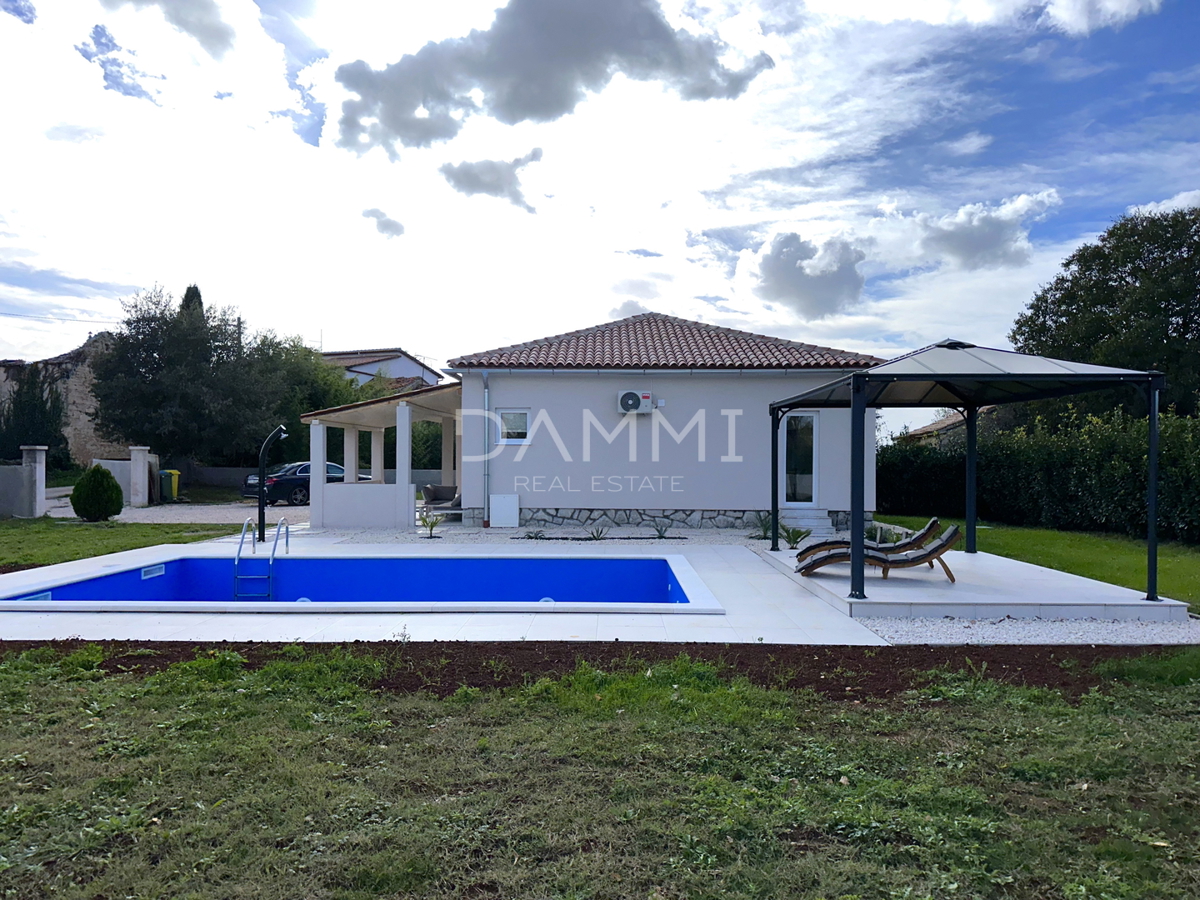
(872, 175)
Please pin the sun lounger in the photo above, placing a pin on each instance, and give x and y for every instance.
(929, 554)
(914, 541)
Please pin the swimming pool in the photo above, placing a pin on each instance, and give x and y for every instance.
(307, 584)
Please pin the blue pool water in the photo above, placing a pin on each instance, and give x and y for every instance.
(408, 580)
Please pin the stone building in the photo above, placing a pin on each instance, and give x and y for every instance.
(72, 373)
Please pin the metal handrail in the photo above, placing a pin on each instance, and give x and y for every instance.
(287, 538)
(249, 523)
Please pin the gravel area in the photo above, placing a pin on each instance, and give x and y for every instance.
(458, 534)
(197, 513)
(1032, 631)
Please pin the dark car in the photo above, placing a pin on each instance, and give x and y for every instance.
(289, 483)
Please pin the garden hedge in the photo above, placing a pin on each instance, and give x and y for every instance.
(1082, 474)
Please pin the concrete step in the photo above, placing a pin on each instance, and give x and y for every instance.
(816, 519)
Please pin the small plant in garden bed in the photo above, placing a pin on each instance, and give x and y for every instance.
(762, 525)
(793, 536)
(661, 529)
(538, 535)
(431, 522)
(597, 533)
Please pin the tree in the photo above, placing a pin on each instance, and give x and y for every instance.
(33, 414)
(191, 302)
(1130, 300)
(188, 383)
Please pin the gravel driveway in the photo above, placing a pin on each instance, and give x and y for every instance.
(199, 513)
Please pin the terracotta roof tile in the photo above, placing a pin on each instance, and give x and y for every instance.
(656, 341)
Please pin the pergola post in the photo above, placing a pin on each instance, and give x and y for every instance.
(1152, 496)
(350, 453)
(448, 473)
(972, 473)
(775, 417)
(406, 514)
(378, 476)
(316, 470)
(858, 477)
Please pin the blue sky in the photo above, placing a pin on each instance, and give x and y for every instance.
(449, 177)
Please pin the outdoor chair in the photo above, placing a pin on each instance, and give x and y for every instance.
(914, 541)
(443, 499)
(931, 553)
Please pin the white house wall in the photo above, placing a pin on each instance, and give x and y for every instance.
(543, 478)
(396, 367)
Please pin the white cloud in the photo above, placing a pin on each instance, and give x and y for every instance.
(1071, 16)
(969, 144)
(1182, 200)
(978, 236)
(814, 281)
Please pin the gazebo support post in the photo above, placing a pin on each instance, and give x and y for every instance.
(1152, 496)
(858, 525)
(775, 417)
(972, 473)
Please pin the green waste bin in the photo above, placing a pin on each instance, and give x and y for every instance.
(168, 485)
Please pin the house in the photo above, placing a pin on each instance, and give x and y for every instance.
(394, 363)
(642, 420)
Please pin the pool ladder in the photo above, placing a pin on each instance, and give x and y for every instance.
(239, 579)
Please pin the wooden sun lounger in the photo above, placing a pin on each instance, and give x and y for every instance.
(930, 554)
(914, 541)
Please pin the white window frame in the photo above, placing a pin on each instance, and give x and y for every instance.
(783, 501)
(500, 413)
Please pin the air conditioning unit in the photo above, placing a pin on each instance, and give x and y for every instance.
(635, 401)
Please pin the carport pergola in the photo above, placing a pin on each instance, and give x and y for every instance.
(965, 377)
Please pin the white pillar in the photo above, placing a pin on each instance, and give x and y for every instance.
(448, 451)
(33, 460)
(139, 476)
(406, 515)
(350, 453)
(316, 478)
(377, 475)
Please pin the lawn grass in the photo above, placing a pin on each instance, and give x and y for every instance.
(670, 780)
(46, 541)
(56, 478)
(1105, 557)
(207, 493)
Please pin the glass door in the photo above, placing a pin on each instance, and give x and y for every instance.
(800, 458)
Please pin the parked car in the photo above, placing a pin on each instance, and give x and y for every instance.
(289, 483)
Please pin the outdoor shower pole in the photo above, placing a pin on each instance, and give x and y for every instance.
(858, 493)
(775, 416)
(274, 436)
(972, 472)
(1152, 497)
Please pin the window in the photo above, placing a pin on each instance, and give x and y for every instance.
(334, 469)
(800, 458)
(303, 470)
(514, 426)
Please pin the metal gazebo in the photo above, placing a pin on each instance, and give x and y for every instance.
(961, 376)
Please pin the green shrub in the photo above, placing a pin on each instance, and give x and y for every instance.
(96, 496)
(1082, 474)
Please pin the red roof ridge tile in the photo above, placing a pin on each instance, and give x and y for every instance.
(656, 340)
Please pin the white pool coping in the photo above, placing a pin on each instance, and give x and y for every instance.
(761, 605)
(29, 594)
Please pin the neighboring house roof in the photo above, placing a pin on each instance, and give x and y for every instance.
(947, 423)
(362, 359)
(656, 341)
